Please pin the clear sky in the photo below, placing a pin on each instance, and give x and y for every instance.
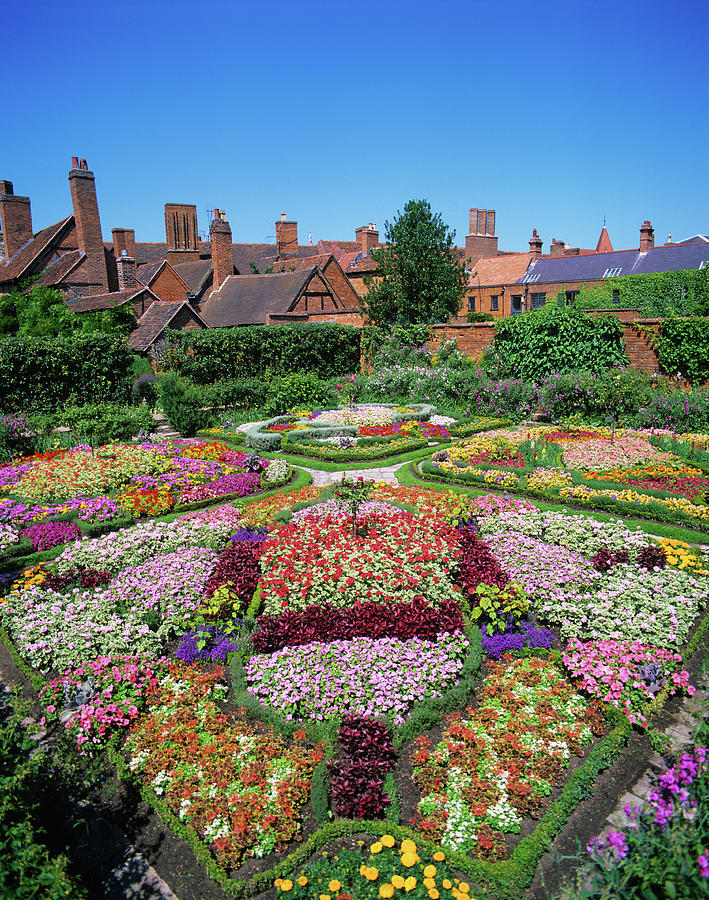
(553, 114)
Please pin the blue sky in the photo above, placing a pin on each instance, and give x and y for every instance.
(554, 114)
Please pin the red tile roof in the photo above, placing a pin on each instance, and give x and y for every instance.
(147, 271)
(108, 301)
(507, 269)
(55, 273)
(155, 320)
(17, 265)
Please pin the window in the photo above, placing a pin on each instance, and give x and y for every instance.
(616, 298)
(494, 302)
(704, 263)
(516, 304)
(571, 297)
(537, 300)
(471, 304)
(611, 273)
(528, 279)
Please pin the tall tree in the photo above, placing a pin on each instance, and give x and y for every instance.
(418, 279)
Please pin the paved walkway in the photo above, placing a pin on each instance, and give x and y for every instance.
(385, 473)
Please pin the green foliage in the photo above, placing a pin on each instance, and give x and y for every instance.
(656, 295)
(40, 373)
(182, 404)
(398, 345)
(43, 312)
(102, 423)
(592, 396)
(297, 391)
(243, 393)
(255, 350)
(480, 317)
(27, 870)
(683, 348)
(535, 343)
(493, 606)
(418, 279)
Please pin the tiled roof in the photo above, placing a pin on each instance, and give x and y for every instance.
(18, 263)
(249, 299)
(337, 247)
(195, 274)
(490, 270)
(107, 301)
(58, 270)
(147, 271)
(304, 262)
(594, 266)
(361, 265)
(696, 239)
(261, 255)
(155, 320)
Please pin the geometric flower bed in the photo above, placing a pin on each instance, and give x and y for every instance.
(377, 624)
(120, 481)
(622, 470)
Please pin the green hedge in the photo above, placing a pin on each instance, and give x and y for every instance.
(683, 348)
(253, 350)
(41, 374)
(531, 345)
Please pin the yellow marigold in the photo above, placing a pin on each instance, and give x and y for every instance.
(363, 870)
(408, 846)
(439, 856)
(334, 885)
(409, 884)
(387, 840)
(386, 890)
(433, 893)
(372, 873)
(429, 882)
(397, 881)
(408, 859)
(302, 881)
(324, 897)
(376, 847)
(464, 887)
(447, 884)
(286, 885)
(429, 871)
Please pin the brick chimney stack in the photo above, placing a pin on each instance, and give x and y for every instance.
(367, 237)
(647, 236)
(88, 226)
(15, 220)
(286, 237)
(124, 239)
(222, 256)
(535, 245)
(557, 248)
(481, 241)
(181, 232)
(125, 264)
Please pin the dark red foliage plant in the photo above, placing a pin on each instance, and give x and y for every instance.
(357, 779)
(324, 622)
(238, 567)
(478, 565)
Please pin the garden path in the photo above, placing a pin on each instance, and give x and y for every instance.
(385, 473)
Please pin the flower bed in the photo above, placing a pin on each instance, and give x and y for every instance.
(651, 481)
(497, 762)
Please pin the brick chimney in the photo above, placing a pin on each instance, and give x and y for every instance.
(286, 237)
(125, 264)
(222, 256)
(88, 226)
(647, 236)
(181, 232)
(535, 245)
(481, 241)
(124, 239)
(15, 220)
(367, 237)
(557, 248)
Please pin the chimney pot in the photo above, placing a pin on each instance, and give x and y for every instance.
(222, 254)
(283, 217)
(75, 162)
(83, 164)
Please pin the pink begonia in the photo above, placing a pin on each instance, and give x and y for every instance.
(613, 670)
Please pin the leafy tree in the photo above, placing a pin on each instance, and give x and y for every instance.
(418, 279)
(42, 312)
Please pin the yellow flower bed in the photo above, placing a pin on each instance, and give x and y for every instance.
(542, 479)
(627, 496)
(680, 555)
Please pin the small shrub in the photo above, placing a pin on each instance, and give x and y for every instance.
(145, 388)
(182, 404)
(298, 390)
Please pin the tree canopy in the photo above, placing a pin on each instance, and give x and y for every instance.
(418, 279)
(42, 312)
